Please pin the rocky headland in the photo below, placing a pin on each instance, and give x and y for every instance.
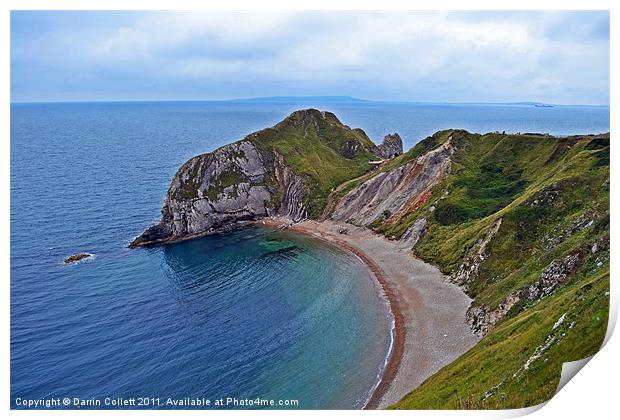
(282, 171)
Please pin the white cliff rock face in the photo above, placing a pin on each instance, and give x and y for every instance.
(221, 190)
(214, 203)
(413, 234)
(469, 268)
(483, 318)
(292, 189)
(390, 192)
(391, 147)
(253, 178)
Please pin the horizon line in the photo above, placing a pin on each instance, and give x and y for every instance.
(344, 98)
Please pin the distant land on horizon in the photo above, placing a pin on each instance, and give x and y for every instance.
(324, 99)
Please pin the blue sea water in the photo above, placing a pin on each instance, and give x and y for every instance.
(256, 313)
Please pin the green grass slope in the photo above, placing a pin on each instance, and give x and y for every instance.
(552, 196)
(318, 147)
(492, 374)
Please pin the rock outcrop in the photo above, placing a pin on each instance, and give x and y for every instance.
(482, 318)
(391, 147)
(469, 268)
(293, 191)
(77, 257)
(554, 275)
(412, 235)
(214, 191)
(394, 192)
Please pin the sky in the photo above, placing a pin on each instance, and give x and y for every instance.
(552, 57)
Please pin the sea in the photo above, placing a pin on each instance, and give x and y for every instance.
(257, 318)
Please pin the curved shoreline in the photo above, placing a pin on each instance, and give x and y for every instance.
(430, 328)
(395, 354)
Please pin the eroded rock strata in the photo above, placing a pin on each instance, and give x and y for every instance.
(391, 147)
(389, 194)
(269, 173)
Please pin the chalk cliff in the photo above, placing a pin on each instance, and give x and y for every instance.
(391, 194)
(287, 170)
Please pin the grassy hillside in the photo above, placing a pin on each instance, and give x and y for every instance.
(317, 146)
(549, 257)
(492, 374)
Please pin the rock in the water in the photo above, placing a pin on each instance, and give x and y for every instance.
(77, 257)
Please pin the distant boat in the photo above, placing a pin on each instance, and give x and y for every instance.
(543, 106)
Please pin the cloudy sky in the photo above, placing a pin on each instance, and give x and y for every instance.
(556, 57)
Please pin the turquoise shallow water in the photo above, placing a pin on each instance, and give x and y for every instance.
(258, 313)
(255, 313)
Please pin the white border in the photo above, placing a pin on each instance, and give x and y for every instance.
(593, 394)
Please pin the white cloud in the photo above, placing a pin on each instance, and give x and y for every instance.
(525, 55)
